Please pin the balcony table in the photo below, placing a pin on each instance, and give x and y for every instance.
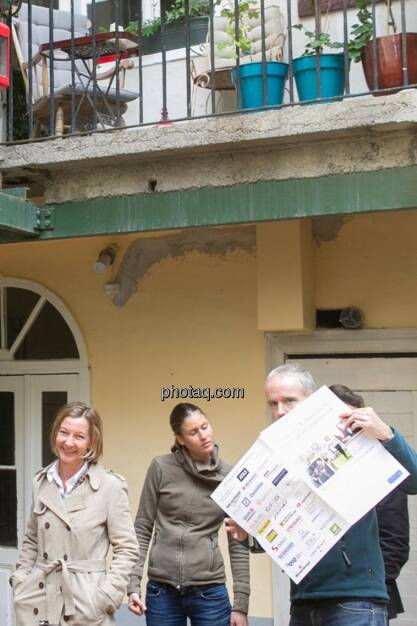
(104, 48)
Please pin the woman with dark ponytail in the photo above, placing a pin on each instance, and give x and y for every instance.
(186, 577)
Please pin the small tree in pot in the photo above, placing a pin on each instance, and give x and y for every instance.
(319, 72)
(260, 83)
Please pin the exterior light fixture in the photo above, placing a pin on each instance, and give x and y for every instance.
(106, 258)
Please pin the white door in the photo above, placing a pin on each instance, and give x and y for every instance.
(389, 384)
(11, 483)
(28, 404)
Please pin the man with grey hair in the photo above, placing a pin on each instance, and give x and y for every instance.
(286, 386)
(347, 586)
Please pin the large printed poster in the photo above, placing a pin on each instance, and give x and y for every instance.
(305, 481)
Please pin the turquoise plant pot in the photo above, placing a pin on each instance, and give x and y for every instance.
(251, 84)
(332, 76)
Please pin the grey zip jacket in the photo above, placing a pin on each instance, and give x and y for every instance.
(175, 507)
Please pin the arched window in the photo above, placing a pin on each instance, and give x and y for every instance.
(33, 325)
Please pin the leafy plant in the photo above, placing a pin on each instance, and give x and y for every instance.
(362, 32)
(195, 8)
(176, 13)
(360, 35)
(149, 27)
(20, 106)
(317, 41)
(239, 36)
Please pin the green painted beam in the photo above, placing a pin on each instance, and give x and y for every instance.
(359, 192)
(17, 215)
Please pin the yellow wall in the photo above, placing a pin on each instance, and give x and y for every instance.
(285, 261)
(373, 265)
(194, 321)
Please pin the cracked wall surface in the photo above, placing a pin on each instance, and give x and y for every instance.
(358, 134)
(143, 253)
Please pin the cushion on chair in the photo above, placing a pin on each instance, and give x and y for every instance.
(275, 33)
(125, 95)
(40, 35)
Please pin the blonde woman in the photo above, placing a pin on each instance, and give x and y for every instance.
(79, 510)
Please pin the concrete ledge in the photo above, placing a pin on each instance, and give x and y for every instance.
(353, 116)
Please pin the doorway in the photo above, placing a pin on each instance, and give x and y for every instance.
(42, 366)
(382, 367)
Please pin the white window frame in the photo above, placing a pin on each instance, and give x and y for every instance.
(9, 366)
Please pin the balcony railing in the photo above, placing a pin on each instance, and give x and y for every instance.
(112, 65)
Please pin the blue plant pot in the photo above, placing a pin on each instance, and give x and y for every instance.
(251, 84)
(332, 76)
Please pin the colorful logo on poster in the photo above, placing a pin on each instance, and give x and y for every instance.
(271, 535)
(335, 529)
(242, 474)
(279, 477)
(233, 501)
(264, 526)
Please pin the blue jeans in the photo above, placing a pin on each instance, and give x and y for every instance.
(204, 605)
(356, 613)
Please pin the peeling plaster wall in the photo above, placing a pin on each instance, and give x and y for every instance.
(328, 228)
(142, 254)
(358, 134)
(316, 158)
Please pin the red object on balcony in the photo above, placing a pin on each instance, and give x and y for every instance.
(111, 58)
(4, 56)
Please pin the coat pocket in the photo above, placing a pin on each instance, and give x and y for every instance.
(30, 597)
(31, 586)
(91, 603)
(216, 559)
(104, 603)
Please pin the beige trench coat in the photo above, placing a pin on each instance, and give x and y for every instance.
(61, 574)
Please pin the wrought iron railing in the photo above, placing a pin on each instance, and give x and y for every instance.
(80, 73)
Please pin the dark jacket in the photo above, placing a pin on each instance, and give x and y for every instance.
(394, 539)
(354, 567)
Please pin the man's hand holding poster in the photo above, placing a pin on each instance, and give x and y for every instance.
(305, 481)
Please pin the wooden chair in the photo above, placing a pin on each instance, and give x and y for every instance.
(62, 74)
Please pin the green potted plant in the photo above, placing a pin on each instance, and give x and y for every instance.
(174, 27)
(319, 72)
(364, 44)
(251, 71)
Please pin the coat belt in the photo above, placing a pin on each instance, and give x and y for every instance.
(84, 566)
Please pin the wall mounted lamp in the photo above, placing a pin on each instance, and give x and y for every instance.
(106, 257)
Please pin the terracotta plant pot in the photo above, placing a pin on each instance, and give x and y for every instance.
(390, 61)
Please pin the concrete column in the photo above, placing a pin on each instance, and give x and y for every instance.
(285, 253)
